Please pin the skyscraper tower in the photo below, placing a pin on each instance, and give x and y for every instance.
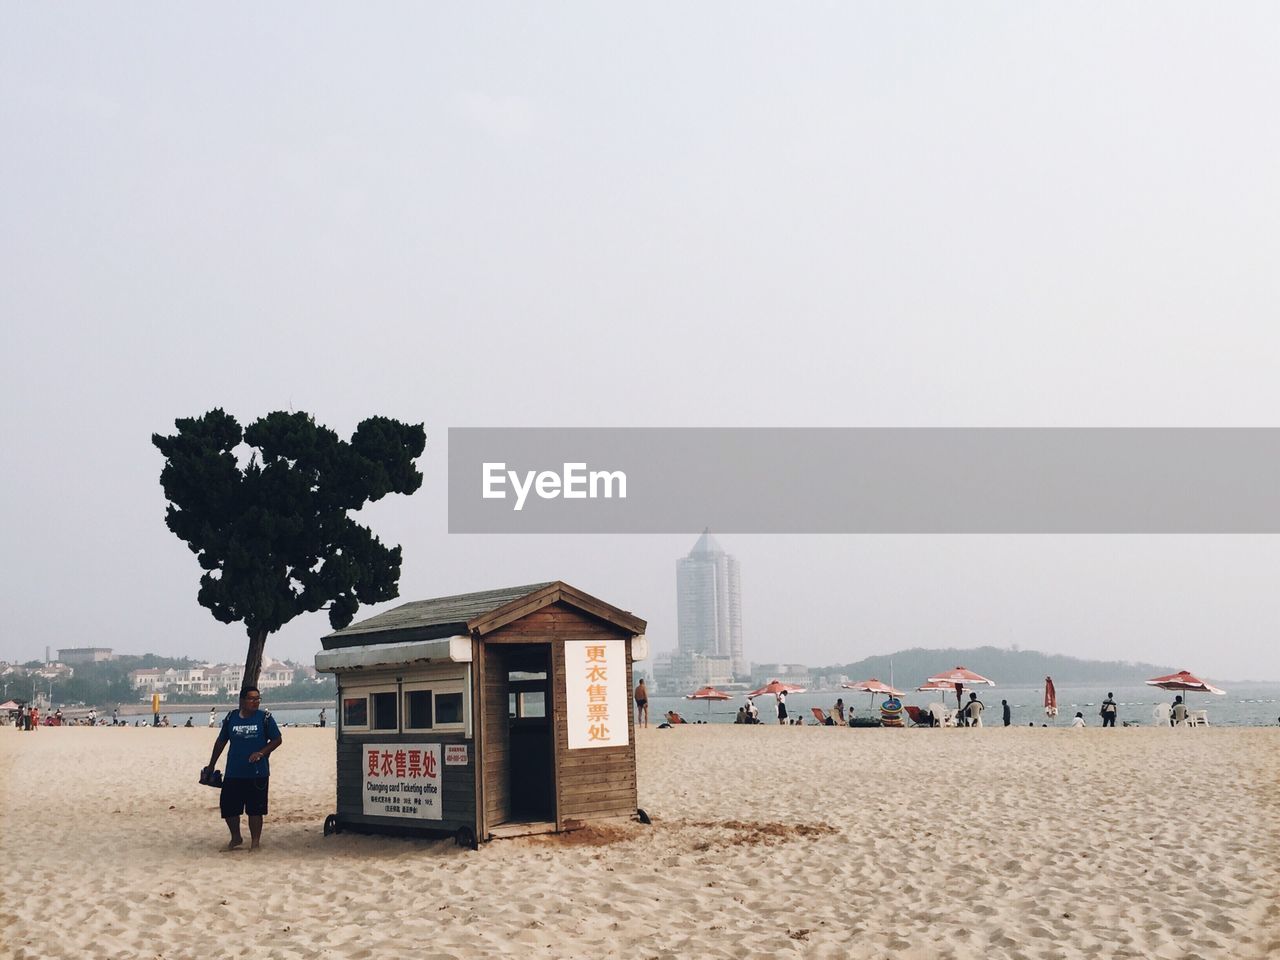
(709, 604)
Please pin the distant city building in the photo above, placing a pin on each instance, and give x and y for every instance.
(709, 610)
(84, 655)
(796, 674)
(209, 679)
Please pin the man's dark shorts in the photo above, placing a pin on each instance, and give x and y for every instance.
(244, 795)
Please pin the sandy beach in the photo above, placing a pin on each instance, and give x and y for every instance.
(766, 841)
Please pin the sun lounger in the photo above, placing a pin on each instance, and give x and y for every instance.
(919, 718)
(820, 715)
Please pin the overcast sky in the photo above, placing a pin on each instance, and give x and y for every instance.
(882, 214)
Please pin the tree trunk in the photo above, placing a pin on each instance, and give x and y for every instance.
(253, 659)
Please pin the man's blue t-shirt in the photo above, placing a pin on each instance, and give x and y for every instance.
(246, 735)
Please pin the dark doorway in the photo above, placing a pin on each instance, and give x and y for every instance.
(529, 714)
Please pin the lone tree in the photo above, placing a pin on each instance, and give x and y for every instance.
(273, 537)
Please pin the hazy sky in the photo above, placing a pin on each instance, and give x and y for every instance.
(884, 214)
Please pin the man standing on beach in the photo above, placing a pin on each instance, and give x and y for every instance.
(1008, 712)
(642, 704)
(253, 735)
(1109, 711)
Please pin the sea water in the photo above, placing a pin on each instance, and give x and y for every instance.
(1245, 704)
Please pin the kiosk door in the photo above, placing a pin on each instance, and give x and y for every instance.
(527, 784)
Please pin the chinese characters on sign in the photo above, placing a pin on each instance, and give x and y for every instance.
(402, 780)
(597, 709)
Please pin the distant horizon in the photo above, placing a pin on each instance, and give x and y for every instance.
(815, 668)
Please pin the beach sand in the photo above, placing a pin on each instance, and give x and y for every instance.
(766, 841)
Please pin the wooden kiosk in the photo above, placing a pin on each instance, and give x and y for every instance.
(500, 713)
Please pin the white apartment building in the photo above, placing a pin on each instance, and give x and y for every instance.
(209, 678)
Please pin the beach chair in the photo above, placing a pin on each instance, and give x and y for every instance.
(919, 718)
(1161, 713)
(943, 716)
(821, 717)
(1197, 718)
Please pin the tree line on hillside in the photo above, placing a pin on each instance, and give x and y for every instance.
(1005, 666)
(106, 683)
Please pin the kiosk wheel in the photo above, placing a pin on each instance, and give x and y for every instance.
(466, 837)
(331, 824)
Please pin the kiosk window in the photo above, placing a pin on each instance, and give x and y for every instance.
(355, 711)
(449, 708)
(434, 705)
(417, 710)
(384, 711)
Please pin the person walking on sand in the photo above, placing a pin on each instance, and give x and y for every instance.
(781, 696)
(213, 717)
(1108, 711)
(254, 736)
(642, 704)
(323, 721)
(1008, 712)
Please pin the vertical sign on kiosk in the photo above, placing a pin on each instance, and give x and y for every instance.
(597, 708)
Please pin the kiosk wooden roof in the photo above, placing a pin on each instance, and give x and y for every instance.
(474, 614)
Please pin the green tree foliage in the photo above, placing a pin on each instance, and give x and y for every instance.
(273, 536)
(106, 682)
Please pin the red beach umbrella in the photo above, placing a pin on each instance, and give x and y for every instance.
(776, 686)
(708, 694)
(1050, 698)
(872, 686)
(1185, 680)
(959, 676)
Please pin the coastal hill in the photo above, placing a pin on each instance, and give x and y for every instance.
(1007, 667)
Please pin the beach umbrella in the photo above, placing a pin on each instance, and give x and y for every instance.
(10, 705)
(959, 676)
(1185, 680)
(708, 694)
(872, 686)
(776, 687)
(1050, 698)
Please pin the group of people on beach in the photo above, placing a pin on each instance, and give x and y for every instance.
(968, 715)
(29, 718)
